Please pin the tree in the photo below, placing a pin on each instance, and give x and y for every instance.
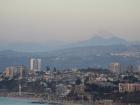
(78, 81)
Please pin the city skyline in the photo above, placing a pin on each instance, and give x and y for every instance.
(69, 52)
(51, 20)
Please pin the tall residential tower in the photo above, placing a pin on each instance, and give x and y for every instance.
(35, 64)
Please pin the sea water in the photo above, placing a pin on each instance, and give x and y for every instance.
(16, 101)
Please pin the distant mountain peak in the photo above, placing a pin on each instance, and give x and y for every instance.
(96, 37)
(106, 38)
(99, 41)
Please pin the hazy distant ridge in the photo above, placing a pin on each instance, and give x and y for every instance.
(49, 46)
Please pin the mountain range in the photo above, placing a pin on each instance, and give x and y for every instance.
(95, 52)
(55, 45)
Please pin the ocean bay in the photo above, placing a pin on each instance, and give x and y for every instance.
(16, 101)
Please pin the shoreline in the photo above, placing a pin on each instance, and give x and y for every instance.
(42, 101)
(20, 97)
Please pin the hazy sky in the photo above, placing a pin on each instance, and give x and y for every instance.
(68, 20)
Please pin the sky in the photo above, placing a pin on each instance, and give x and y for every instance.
(68, 20)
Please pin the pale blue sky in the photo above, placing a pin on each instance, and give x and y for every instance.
(68, 20)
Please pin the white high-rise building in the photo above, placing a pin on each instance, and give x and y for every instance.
(35, 64)
(115, 67)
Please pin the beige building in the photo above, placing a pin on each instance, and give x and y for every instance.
(79, 89)
(115, 67)
(14, 70)
(129, 87)
(9, 72)
(20, 71)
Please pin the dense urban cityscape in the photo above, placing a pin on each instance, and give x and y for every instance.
(69, 52)
(91, 86)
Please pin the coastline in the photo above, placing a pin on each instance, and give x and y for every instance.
(36, 100)
(40, 100)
